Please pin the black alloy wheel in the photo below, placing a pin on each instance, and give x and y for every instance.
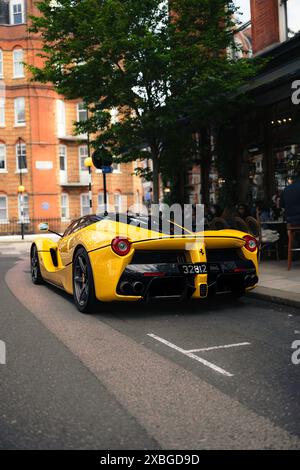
(83, 283)
(36, 275)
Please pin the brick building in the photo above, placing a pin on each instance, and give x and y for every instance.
(37, 138)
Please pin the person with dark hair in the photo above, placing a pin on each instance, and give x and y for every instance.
(228, 215)
(242, 211)
(290, 200)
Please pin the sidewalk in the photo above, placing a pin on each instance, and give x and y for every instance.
(277, 284)
(27, 238)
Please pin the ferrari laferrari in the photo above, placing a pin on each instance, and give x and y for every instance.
(105, 258)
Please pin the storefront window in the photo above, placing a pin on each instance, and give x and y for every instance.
(286, 159)
(256, 175)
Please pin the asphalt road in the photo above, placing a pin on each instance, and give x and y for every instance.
(213, 375)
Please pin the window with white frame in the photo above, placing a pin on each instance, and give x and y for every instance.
(19, 105)
(61, 118)
(64, 206)
(83, 154)
(25, 207)
(81, 112)
(63, 164)
(2, 112)
(84, 204)
(21, 156)
(2, 157)
(18, 68)
(63, 158)
(116, 167)
(1, 63)
(17, 12)
(101, 201)
(118, 202)
(3, 209)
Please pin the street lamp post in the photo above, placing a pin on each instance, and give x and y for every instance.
(21, 188)
(88, 163)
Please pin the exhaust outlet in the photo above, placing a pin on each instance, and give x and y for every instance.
(126, 288)
(138, 287)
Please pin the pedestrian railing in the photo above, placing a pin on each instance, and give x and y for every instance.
(13, 226)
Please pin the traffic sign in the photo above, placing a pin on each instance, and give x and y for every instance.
(107, 169)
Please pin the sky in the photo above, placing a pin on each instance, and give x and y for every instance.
(244, 8)
(294, 15)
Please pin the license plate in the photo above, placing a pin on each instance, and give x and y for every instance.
(193, 268)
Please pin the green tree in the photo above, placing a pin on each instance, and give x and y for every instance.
(168, 73)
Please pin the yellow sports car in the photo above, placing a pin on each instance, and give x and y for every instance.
(130, 258)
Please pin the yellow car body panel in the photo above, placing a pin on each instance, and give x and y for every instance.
(107, 266)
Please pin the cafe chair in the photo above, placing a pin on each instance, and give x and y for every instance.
(292, 229)
(241, 225)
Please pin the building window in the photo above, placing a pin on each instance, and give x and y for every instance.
(1, 63)
(61, 118)
(20, 119)
(292, 17)
(17, 12)
(65, 206)
(3, 209)
(116, 167)
(118, 202)
(21, 156)
(83, 154)
(18, 63)
(25, 207)
(81, 112)
(2, 158)
(2, 112)
(63, 164)
(84, 204)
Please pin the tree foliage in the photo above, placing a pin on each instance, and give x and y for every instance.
(167, 71)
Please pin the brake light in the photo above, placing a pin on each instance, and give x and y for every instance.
(121, 246)
(250, 243)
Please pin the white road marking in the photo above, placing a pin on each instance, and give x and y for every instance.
(191, 355)
(225, 346)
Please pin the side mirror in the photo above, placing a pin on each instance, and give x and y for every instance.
(44, 227)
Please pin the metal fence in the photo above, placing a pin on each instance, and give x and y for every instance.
(13, 227)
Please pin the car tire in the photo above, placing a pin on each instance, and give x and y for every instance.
(83, 283)
(36, 275)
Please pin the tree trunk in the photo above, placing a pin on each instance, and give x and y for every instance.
(155, 179)
(205, 166)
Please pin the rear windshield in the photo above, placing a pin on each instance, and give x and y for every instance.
(157, 224)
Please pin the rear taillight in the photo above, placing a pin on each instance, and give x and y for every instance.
(121, 246)
(250, 243)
